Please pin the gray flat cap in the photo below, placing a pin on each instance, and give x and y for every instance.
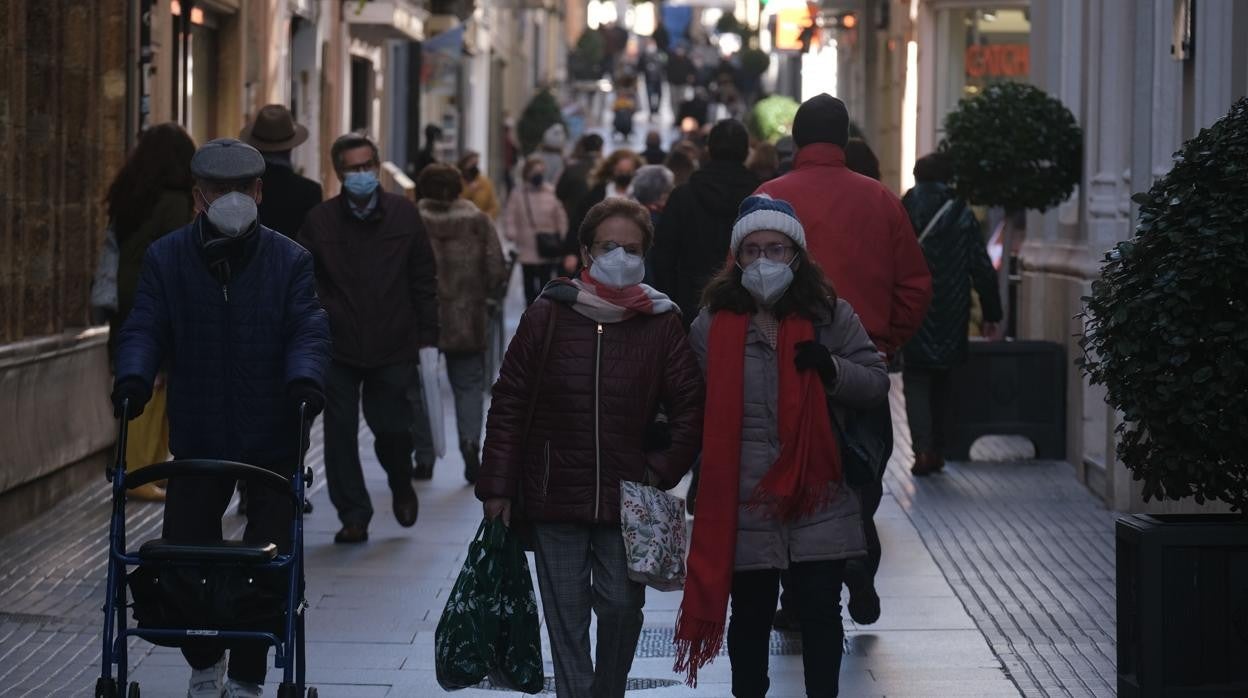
(226, 159)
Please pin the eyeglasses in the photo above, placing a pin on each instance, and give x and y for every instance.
(362, 167)
(776, 252)
(601, 248)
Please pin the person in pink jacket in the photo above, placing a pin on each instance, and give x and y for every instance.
(531, 209)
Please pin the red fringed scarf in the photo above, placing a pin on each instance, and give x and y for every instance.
(799, 483)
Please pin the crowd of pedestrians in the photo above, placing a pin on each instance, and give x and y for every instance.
(761, 288)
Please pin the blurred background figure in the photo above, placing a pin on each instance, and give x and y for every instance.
(682, 161)
(651, 188)
(471, 271)
(764, 162)
(861, 159)
(653, 154)
(288, 196)
(531, 210)
(149, 198)
(573, 184)
(953, 244)
(477, 187)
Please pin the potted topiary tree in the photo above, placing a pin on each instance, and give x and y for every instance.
(1166, 333)
(1015, 147)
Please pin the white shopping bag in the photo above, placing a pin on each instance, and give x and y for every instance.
(431, 393)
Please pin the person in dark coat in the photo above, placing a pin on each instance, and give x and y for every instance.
(691, 241)
(230, 308)
(616, 353)
(376, 273)
(574, 181)
(953, 244)
(654, 154)
(288, 196)
(427, 156)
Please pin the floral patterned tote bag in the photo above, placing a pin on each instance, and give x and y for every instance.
(655, 537)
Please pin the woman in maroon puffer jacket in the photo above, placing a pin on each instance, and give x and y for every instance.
(617, 353)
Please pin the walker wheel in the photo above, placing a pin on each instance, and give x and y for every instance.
(134, 690)
(312, 693)
(105, 688)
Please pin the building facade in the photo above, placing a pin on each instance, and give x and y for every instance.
(84, 78)
(1140, 78)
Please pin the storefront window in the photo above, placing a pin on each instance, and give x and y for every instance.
(977, 47)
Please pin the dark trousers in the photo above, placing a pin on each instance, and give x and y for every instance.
(928, 392)
(193, 510)
(535, 277)
(817, 586)
(869, 497)
(388, 412)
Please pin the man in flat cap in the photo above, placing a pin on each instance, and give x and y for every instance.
(229, 307)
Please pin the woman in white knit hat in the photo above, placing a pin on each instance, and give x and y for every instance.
(781, 356)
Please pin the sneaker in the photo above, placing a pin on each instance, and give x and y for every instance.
(243, 689)
(208, 683)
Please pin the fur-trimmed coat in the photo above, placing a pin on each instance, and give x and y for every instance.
(470, 271)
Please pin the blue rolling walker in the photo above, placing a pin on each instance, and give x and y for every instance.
(158, 554)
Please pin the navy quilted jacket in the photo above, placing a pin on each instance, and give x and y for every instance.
(230, 350)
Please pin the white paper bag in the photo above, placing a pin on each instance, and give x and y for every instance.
(431, 393)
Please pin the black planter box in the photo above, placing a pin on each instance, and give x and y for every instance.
(1182, 606)
(1015, 388)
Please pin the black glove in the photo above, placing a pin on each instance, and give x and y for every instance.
(302, 390)
(135, 390)
(813, 356)
(658, 437)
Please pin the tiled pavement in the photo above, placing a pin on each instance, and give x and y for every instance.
(996, 581)
(1030, 553)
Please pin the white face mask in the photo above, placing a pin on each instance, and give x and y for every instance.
(233, 214)
(618, 269)
(767, 280)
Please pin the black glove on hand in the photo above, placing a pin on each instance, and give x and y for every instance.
(134, 390)
(658, 437)
(303, 390)
(813, 356)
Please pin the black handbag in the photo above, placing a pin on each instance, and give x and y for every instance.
(549, 245)
(865, 449)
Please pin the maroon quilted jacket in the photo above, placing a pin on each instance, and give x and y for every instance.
(601, 388)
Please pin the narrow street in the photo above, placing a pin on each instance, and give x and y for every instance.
(996, 581)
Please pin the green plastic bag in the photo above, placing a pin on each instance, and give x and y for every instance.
(490, 625)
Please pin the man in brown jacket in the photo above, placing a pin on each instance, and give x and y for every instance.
(377, 279)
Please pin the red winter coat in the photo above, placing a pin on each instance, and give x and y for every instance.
(860, 234)
(592, 413)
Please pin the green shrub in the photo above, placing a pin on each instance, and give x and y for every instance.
(1013, 146)
(1167, 324)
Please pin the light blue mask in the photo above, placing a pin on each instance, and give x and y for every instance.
(360, 185)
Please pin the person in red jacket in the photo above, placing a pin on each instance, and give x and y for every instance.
(858, 231)
(573, 415)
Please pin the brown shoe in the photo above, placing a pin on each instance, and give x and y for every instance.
(352, 533)
(925, 464)
(406, 505)
(151, 492)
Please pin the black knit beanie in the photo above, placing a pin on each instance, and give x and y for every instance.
(821, 119)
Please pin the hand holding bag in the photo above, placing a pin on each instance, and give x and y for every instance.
(656, 540)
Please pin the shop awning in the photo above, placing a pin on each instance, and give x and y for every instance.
(378, 20)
